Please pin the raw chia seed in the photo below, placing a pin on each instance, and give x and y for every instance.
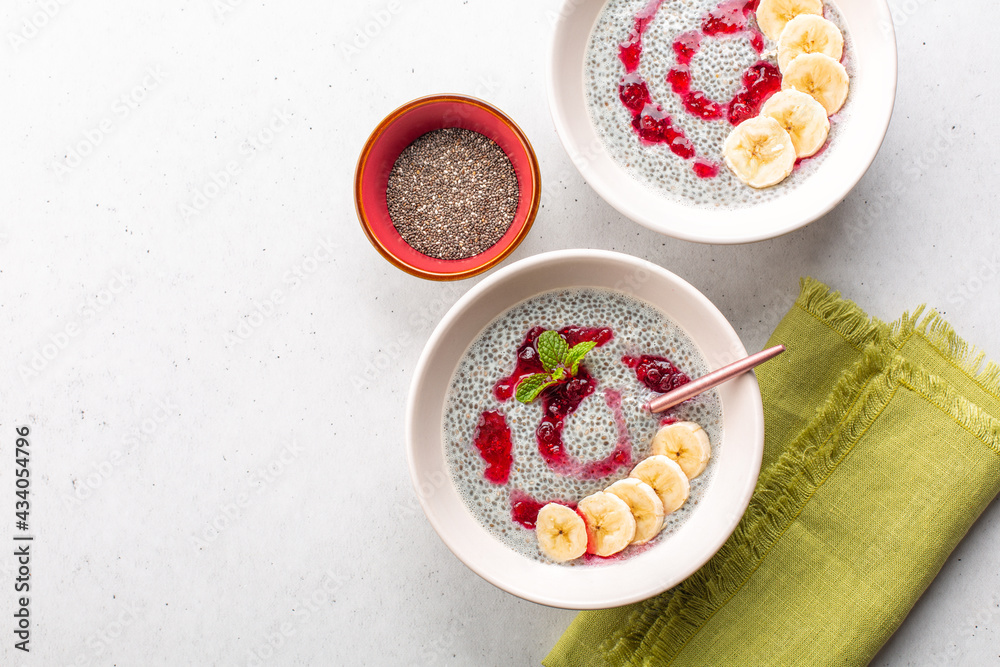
(452, 193)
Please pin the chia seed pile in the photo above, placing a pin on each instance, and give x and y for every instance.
(590, 433)
(452, 194)
(716, 69)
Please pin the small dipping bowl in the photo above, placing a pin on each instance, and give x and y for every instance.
(397, 131)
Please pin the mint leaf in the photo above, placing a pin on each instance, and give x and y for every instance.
(559, 374)
(576, 355)
(552, 349)
(530, 387)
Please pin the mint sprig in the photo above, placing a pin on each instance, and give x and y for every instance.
(559, 360)
(531, 386)
(552, 349)
(576, 355)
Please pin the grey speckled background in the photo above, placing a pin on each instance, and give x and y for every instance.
(219, 476)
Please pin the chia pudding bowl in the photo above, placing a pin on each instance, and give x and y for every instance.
(645, 93)
(636, 313)
(446, 187)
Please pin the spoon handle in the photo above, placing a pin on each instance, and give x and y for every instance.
(713, 379)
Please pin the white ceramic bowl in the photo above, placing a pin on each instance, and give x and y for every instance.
(615, 583)
(873, 91)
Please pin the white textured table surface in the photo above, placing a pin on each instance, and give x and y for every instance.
(213, 361)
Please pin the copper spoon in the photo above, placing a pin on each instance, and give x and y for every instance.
(713, 379)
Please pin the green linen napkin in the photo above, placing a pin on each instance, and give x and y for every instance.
(882, 447)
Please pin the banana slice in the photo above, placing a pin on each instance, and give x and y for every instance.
(684, 442)
(645, 505)
(809, 33)
(760, 152)
(772, 15)
(802, 117)
(610, 524)
(562, 533)
(819, 75)
(667, 479)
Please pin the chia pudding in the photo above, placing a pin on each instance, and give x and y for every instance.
(667, 80)
(574, 443)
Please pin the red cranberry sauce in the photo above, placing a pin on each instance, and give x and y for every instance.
(562, 399)
(686, 45)
(630, 51)
(760, 81)
(648, 119)
(651, 123)
(679, 79)
(524, 509)
(555, 410)
(705, 168)
(634, 93)
(576, 335)
(657, 373)
(655, 127)
(528, 362)
(728, 18)
(699, 104)
(495, 446)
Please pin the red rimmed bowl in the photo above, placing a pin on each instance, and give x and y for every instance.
(399, 130)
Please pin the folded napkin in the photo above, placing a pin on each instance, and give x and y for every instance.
(882, 447)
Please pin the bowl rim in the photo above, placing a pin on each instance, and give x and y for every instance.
(560, 110)
(388, 121)
(723, 522)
